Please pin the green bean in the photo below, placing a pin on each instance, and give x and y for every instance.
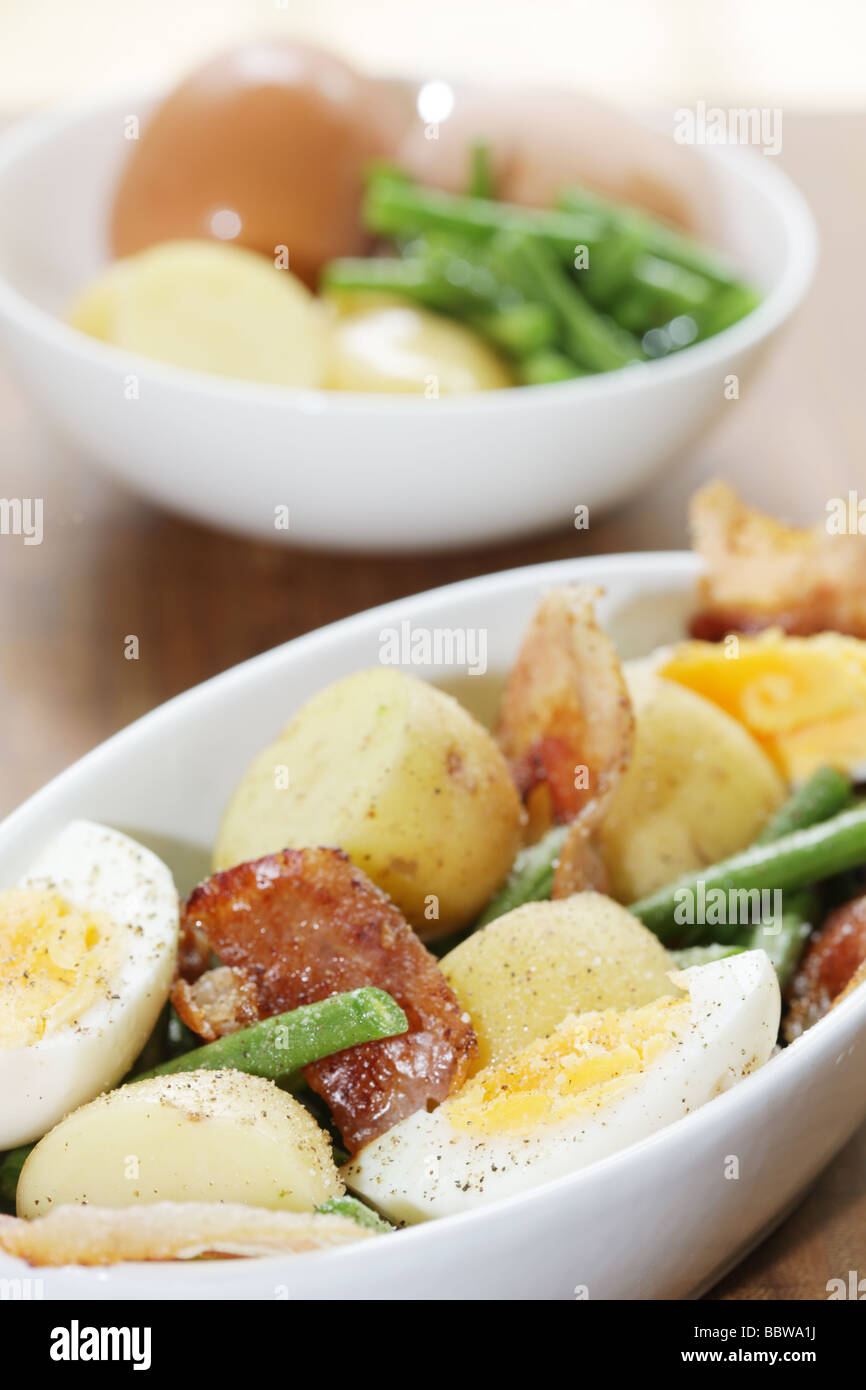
(356, 1211)
(729, 306)
(654, 236)
(595, 343)
(825, 793)
(610, 268)
(522, 330)
(10, 1171)
(795, 860)
(409, 276)
(542, 368)
(397, 208)
(660, 291)
(687, 956)
(784, 940)
(277, 1046)
(531, 878)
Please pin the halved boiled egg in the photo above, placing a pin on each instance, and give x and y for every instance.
(87, 950)
(598, 1082)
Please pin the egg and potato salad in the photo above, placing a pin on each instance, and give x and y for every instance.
(440, 964)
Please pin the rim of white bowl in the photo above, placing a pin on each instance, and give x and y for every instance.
(757, 171)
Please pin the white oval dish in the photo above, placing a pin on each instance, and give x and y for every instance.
(357, 472)
(659, 1220)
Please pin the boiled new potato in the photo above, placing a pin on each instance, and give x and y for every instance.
(397, 774)
(519, 976)
(698, 789)
(377, 345)
(94, 309)
(198, 1136)
(210, 307)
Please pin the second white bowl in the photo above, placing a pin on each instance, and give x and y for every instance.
(356, 472)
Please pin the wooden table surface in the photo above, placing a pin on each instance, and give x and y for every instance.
(199, 602)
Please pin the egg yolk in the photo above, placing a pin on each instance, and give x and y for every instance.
(586, 1063)
(55, 964)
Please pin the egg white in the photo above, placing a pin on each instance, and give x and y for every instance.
(99, 870)
(426, 1167)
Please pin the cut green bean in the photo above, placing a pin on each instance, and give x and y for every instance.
(796, 860)
(729, 306)
(593, 341)
(394, 208)
(687, 956)
(825, 794)
(543, 368)
(358, 1212)
(531, 879)
(660, 291)
(278, 1046)
(784, 940)
(522, 330)
(10, 1171)
(654, 236)
(409, 276)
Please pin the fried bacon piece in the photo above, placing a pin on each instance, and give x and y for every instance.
(761, 573)
(831, 961)
(220, 1001)
(84, 1235)
(856, 980)
(567, 727)
(193, 953)
(306, 924)
(581, 866)
(566, 719)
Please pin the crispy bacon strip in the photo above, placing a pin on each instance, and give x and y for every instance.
(761, 573)
(307, 924)
(193, 954)
(85, 1235)
(831, 961)
(220, 1001)
(566, 706)
(567, 727)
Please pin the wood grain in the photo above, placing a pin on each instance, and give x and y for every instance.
(110, 566)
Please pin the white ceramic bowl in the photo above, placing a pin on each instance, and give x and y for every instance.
(658, 1220)
(366, 473)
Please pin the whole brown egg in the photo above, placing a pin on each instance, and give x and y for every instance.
(265, 145)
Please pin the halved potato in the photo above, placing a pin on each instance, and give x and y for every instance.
(198, 1136)
(397, 774)
(396, 346)
(213, 308)
(698, 788)
(519, 976)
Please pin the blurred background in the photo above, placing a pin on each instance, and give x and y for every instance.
(661, 52)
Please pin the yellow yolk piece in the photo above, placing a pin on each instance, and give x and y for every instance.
(802, 698)
(55, 963)
(588, 1061)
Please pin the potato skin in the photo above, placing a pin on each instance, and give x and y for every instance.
(201, 1136)
(698, 789)
(401, 777)
(519, 976)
